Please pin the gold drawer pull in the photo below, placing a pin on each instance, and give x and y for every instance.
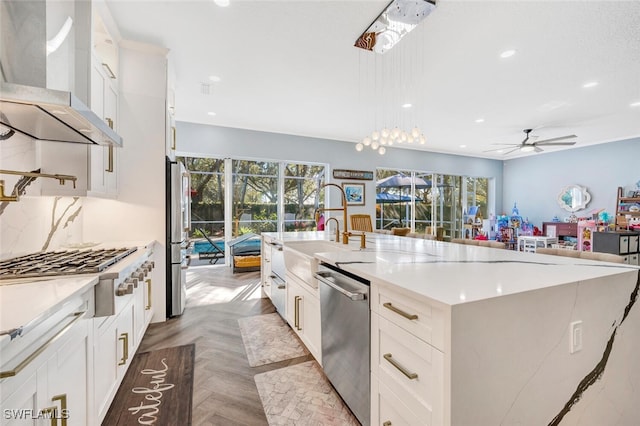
(389, 306)
(387, 423)
(410, 376)
(124, 337)
(148, 281)
(18, 368)
(63, 407)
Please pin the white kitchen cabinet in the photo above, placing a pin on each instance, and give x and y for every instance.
(265, 272)
(54, 383)
(407, 359)
(114, 346)
(303, 315)
(103, 160)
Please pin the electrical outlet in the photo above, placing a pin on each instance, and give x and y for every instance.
(575, 336)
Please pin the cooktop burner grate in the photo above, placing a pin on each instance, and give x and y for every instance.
(69, 262)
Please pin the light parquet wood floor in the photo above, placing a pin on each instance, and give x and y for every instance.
(224, 390)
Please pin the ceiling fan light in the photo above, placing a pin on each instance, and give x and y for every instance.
(527, 148)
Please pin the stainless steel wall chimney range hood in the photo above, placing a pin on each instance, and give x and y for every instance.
(51, 115)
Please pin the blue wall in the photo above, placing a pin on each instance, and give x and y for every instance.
(534, 182)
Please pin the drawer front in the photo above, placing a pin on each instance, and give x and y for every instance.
(624, 244)
(417, 317)
(633, 243)
(391, 411)
(633, 259)
(412, 369)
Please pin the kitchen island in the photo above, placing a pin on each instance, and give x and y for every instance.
(492, 336)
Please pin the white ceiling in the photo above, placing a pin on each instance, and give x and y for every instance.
(290, 67)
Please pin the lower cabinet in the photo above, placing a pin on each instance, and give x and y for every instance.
(303, 315)
(53, 388)
(114, 346)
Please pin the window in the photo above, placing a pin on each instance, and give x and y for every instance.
(427, 202)
(301, 183)
(207, 194)
(255, 197)
(259, 191)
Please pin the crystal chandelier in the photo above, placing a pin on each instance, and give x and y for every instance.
(386, 79)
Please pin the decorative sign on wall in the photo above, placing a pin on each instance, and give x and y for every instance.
(352, 174)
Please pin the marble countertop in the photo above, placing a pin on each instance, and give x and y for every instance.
(454, 273)
(24, 302)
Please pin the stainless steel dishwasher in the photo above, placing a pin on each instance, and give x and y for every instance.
(344, 309)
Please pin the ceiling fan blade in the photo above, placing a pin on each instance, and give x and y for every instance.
(547, 143)
(510, 151)
(506, 144)
(536, 149)
(557, 139)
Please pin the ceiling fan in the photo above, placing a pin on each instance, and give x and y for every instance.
(535, 145)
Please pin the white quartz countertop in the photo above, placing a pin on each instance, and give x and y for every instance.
(453, 273)
(27, 300)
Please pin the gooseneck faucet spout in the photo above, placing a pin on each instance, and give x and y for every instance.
(337, 227)
(345, 233)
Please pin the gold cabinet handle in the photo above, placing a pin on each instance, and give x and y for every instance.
(52, 413)
(173, 137)
(18, 368)
(110, 158)
(408, 316)
(296, 321)
(410, 376)
(148, 281)
(387, 423)
(124, 338)
(63, 407)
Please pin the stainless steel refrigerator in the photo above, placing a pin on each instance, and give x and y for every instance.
(178, 202)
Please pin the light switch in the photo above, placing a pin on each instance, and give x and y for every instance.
(575, 336)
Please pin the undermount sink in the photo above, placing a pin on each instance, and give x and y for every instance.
(299, 260)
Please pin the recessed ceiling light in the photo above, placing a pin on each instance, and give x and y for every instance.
(406, 105)
(635, 104)
(211, 113)
(590, 84)
(507, 53)
(221, 3)
(463, 146)
(214, 78)
(480, 120)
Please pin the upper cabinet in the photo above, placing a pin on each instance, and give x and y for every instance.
(92, 71)
(103, 160)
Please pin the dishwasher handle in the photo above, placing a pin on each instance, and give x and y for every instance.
(323, 277)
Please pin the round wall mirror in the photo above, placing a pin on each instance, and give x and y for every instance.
(573, 198)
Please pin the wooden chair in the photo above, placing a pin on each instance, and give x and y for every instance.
(400, 231)
(603, 257)
(361, 222)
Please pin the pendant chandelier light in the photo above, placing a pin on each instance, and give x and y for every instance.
(386, 80)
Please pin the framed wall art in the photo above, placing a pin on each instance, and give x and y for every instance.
(354, 193)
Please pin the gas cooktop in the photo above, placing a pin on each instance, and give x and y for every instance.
(68, 262)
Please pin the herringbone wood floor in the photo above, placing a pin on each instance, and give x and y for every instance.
(224, 390)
